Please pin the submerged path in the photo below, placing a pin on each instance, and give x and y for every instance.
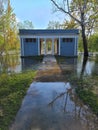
(51, 104)
(49, 71)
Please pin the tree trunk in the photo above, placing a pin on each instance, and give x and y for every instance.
(85, 47)
(85, 58)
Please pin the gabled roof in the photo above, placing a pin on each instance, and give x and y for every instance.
(47, 31)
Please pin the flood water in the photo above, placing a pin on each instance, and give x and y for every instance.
(53, 106)
(14, 63)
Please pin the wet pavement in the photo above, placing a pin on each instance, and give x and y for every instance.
(49, 70)
(53, 105)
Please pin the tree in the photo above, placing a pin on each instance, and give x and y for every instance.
(69, 24)
(93, 42)
(25, 25)
(86, 15)
(8, 28)
(2, 34)
(54, 25)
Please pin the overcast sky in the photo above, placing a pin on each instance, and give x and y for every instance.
(40, 12)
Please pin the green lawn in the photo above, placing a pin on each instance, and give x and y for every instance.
(87, 91)
(12, 90)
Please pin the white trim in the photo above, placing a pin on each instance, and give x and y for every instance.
(52, 46)
(59, 46)
(48, 36)
(45, 46)
(21, 45)
(75, 47)
(77, 44)
(22, 51)
(38, 46)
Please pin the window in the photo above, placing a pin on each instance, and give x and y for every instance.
(30, 40)
(67, 40)
(34, 39)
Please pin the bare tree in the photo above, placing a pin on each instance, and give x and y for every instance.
(84, 10)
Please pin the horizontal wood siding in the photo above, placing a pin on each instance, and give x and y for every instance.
(30, 48)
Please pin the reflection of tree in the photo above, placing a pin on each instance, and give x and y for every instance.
(80, 111)
(96, 59)
(9, 63)
(60, 96)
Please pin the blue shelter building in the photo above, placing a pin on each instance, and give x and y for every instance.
(55, 42)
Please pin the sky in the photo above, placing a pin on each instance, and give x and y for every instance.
(40, 12)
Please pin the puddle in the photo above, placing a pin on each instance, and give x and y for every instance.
(53, 106)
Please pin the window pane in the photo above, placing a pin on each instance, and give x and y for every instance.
(30, 40)
(67, 40)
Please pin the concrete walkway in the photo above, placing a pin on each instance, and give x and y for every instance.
(49, 59)
(52, 105)
(49, 70)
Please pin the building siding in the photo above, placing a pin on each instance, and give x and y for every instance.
(30, 48)
(67, 49)
(76, 46)
(33, 48)
(21, 46)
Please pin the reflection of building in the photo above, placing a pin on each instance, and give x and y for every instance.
(55, 42)
(29, 63)
(68, 66)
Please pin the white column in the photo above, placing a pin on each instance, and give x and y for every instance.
(59, 47)
(22, 47)
(45, 47)
(52, 46)
(75, 47)
(77, 43)
(38, 46)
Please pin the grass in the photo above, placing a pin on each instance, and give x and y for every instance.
(12, 90)
(85, 91)
(89, 98)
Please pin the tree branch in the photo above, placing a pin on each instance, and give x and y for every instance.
(66, 12)
(68, 5)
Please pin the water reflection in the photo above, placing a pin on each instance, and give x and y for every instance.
(30, 63)
(10, 64)
(85, 58)
(71, 105)
(53, 106)
(68, 66)
(87, 66)
(78, 66)
(14, 63)
(81, 66)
